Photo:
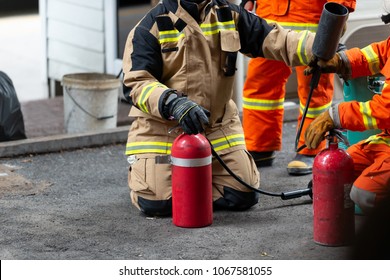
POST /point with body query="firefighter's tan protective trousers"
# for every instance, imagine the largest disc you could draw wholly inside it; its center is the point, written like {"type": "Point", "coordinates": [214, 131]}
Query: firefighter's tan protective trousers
{"type": "Point", "coordinates": [152, 181]}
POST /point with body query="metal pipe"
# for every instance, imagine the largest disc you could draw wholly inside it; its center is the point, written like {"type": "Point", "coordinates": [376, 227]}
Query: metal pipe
{"type": "Point", "coordinates": [330, 28]}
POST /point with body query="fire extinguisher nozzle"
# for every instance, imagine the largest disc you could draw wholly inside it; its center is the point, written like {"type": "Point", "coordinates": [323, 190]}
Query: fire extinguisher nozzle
{"type": "Point", "coordinates": [297, 193]}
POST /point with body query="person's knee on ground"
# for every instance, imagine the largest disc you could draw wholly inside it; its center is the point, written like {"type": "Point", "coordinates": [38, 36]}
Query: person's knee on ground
{"type": "Point", "coordinates": [150, 207]}
{"type": "Point", "coordinates": [228, 193]}
{"type": "Point", "coordinates": [364, 199]}
{"type": "Point", "coordinates": [149, 180]}
{"type": "Point", "coordinates": [236, 200]}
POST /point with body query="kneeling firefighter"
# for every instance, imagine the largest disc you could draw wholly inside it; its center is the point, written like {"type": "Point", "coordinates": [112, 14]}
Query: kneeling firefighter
{"type": "Point", "coordinates": [179, 66]}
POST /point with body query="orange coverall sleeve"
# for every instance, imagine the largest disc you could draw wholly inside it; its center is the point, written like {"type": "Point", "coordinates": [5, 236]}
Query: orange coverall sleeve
{"type": "Point", "coordinates": [375, 113]}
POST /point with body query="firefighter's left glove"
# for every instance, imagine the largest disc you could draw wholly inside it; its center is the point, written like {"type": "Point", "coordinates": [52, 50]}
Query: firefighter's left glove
{"type": "Point", "coordinates": [315, 132]}
{"type": "Point", "coordinates": [191, 116]}
{"type": "Point", "coordinates": [332, 65]}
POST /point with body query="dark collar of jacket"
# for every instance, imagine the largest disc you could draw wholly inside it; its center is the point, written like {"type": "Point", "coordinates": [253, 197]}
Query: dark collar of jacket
{"type": "Point", "coordinates": [189, 6]}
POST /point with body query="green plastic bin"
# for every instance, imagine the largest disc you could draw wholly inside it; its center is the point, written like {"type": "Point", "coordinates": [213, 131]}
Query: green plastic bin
{"type": "Point", "coordinates": [361, 89]}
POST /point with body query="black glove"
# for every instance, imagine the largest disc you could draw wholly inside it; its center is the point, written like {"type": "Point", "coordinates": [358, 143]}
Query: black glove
{"type": "Point", "coordinates": [190, 115]}
{"type": "Point", "coordinates": [333, 65]}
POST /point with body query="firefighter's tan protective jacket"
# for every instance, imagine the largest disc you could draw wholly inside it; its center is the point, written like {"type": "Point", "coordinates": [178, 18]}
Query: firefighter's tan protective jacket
{"type": "Point", "coordinates": [176, 47]}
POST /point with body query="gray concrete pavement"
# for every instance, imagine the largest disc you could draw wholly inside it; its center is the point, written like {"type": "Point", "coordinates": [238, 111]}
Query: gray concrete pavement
{"type": "Point", "coordinates": [75, 205]}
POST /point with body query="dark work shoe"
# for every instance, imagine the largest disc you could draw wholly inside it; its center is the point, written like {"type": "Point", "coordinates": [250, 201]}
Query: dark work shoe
{"type": "Point", "coordinates": [300, 165]}
{"type": "Point", "coordinates": [263, 159]}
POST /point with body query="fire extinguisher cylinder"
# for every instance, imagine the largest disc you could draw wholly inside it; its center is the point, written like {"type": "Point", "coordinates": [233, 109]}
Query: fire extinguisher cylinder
{"type": "Point", "coordinates": [192, 202]}
{"type": "Point", "coordinates": [333, 209]}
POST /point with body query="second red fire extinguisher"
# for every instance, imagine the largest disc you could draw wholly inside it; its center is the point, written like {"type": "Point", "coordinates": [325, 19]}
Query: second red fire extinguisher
{"type": "Point", "coordinates": [192, 202]}
{"type": "Point", "coordinates": [333, 209]}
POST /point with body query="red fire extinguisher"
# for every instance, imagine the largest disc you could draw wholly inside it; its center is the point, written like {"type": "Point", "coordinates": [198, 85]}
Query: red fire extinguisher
{"type": "Point", "coordinates": [192, 203]}
{"type": "Point", "coordinates": [333, 215]}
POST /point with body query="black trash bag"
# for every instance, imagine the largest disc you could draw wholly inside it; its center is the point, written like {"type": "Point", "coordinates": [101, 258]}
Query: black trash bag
{"type": "Point", "coordinates": [11, 117]}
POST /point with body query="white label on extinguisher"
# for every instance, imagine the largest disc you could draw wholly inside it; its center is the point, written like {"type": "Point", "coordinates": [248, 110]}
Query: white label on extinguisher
{"type": "Point", "coordinates": [191, 162]}
{"type": "Point", "coordinates": [348, 203]}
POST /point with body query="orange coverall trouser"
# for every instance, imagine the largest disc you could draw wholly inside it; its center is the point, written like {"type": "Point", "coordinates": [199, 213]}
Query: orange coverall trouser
{"type": "Point", "coordinates": [372, 172]}
{"type": "Point", "coordinates": [264, 93]}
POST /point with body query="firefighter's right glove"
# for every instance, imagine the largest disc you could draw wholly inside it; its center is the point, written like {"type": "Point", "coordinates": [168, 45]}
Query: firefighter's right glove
{"type": "Point", "coordinates": [334, 65]}
{"type": "Point", "coordinates": [315, 132]}
{"type": "Point", "coordinates": [191, 116]}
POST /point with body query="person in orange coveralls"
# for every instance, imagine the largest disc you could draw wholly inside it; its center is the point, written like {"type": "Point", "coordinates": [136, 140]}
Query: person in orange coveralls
{"type": "Point", "coordinates": [264, 88]}
{"type": "Point", "coordinates": [371, 156]}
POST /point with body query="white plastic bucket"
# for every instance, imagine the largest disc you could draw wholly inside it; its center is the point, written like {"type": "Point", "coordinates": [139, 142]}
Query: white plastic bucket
{"type": "Point", "coordinates": [90, 101]}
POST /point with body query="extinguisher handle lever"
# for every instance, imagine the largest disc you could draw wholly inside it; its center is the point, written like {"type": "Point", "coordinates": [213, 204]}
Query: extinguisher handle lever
{"type": "Point", "coordinates": [295, 194]}
{"type": "Point", "coordinates": [339, 135]}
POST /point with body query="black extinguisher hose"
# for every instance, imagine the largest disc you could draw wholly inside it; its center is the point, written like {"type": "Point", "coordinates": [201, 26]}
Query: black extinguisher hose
{"type": "Point", "coordinates": [313, 85]}
{"type": "Point", "coordinates": [283, 195]}
{"type": "Point", "coordinates": [315, 79]}
{"type": "Point", "coordinates": [291, 194]}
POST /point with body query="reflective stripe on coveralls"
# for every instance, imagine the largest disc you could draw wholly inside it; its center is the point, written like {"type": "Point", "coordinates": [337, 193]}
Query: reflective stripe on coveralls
{"type": "Point", "coordinates": [298, 26]}
{"type": "Point", "coordinates": [368, 119]}
{"type": "Point", "coordinates": [262, 104]}
{"type": "Point", "coordinates": [372, 59]}
{"type": "Point", "coordinates": [146, 91]}
{"type": "Point", "coordinates": [314, 112]}
{"type": "Point", "coordinates": [165, 147]}
{"type": "Point", "coordinates": [207, 29]}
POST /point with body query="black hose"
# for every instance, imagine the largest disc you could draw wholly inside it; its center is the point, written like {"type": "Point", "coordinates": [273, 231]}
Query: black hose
{"type": "Point", "coordinates": [313, 85]}
{"type": "Point", "coordinates": [283, 195]}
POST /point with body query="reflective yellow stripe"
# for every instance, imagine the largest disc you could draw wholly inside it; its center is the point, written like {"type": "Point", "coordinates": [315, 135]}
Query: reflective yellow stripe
{"type": "Point", "coordinates": [372, 59]}
{"type": "Point", "coordinates": [207, 29]}
{"type": "Point", "coordinates": [214, 28]}
{"type": "Point", "coordinates": [262, 104]}
{"type": "Point", "coordinates": [301, 50]}
{"type": "Point", "coordinates": [314, 112]}
{"type": "Point", "coordinates": [375, 139]}
{"type": "Point", "coordinates": [384, 86]}
{"type": "Point", "coordinates": [228, 141]}
{"type": "Point", "coordinates": [165, 147]}
{"type": "Point", "coordinates": [368, 119]}
{"type": "Point", "coordinates": [297, 26]}
{"type": "Point", "coordinates": [170, 36]}
{"type": "Point", "coordinates": [146, 91]}
{"type": "Point", "coordinates": [148, 147]}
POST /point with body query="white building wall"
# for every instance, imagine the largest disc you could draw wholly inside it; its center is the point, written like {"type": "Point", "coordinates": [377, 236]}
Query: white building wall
{"type": "Point", "coordinates": [75, 37]}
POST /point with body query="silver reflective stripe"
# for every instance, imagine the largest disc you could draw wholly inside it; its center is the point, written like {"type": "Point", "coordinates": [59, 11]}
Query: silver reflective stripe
{"type": "Point", "coordinates": [195, 162]}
